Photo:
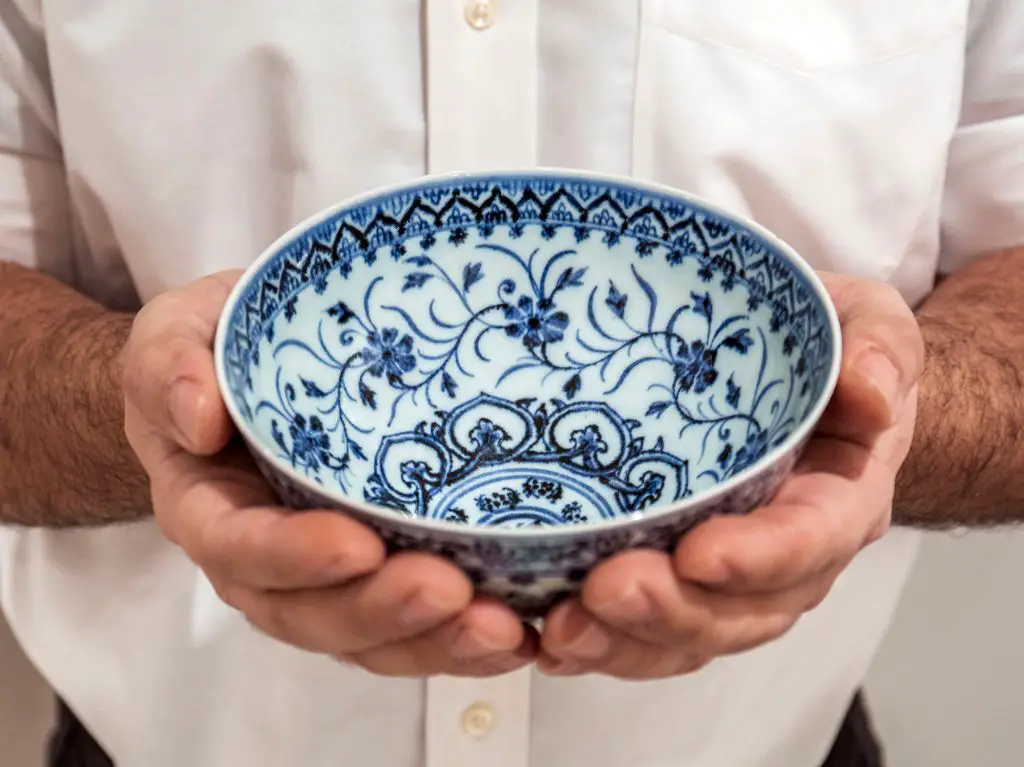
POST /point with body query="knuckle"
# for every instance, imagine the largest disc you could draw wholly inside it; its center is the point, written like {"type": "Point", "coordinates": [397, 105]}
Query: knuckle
{"type": "Point", "coordinates": [216, 288]}
{"type": "Point", "coordinates": [399, 660]}
{"type": "Point", "coordinates": [817, 597]}
{"type": "Point", "coordinates": [145, 325]}
{"type": "Point", "coordinates": [831, 541]}
{"type": "Point", "coordinates": [134, 431]}
{"type": "Point", "coordinates": [691, 632]}
{"type": "Point", "coordinates": [133, 367]}
{"type": "Point", "coordinates": [691, 629]}
{"type": "Point", "coordinates": [377, 668]}
{"type": "Point", "coordinates": [663, 664]}
{"type": "Point", "coordinates": [245, 541]}
{"type": "Point", "coordinates": [204, 541]}
{"type": "Point", "coordinates": [345, 658]}
{"type": "Point", "coordinates": [179, 350]}
{"type": "Point", "coordinates": [674, 663]}
{"type": "Point", "coordinates": [815, 534]}
{"type": "Point", "coordinates": [879, 530]}
{"type": "Point", "coordinates": [693, 663]}
{"type": "Point", "coordinates": [149, 369]}
{"type": "Point", "coordinates": [763, 631]}
{"type": "Point", "coordinates": [270, 616]}
{"type": "Point", "coordinates": [227, 592]}
{"type": "Point", "coordinates": [710, 640]}
{"type": "Point", "coordinates": [164, 523]}
{"type": "Point", "coordinates": [782, 626]}
{"type": "Point", "coordinates": [639, 663]}
{"type": "Point", "coordinates": [819, 591]}
{"type": "Point", "coordinates": [891, 295]}
{"type": "Point", "coordinates": [496, 665]}
{"type": "Point", "coordinates": [164, 489]}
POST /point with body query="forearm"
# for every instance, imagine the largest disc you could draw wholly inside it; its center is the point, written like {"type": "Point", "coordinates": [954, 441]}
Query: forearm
{"type": "Point", "coordinates": [966, 466]}
{"type": "Point", "coordinates": [64, 459]}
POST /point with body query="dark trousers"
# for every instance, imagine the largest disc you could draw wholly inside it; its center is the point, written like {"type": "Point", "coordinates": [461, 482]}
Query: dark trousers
{"type": "Point", "coordinates": [855, 746]}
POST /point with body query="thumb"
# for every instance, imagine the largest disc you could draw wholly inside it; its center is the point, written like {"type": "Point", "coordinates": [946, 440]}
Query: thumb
{"type": "Point", "coordinates": [883, 357]}
{"type": "Point", "coordinates": [168, 365]}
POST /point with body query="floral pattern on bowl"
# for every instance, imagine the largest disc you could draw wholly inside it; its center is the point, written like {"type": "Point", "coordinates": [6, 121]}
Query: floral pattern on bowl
{"type": "Point", "coordinates": [527, 372]}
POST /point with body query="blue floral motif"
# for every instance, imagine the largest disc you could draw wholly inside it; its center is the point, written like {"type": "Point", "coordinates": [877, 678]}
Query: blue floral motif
{"type": "Point", "coordinates": [695, 366]}
{"type": "Point", "coordinates": [385, 354]}
{"type": "Point", "coordinates": [427, 355]}
{"type": "Point", "coordinates": [527, 351]}
{"type": "Point", "coordinates": [310, 445]}
{"type": "Point", "coordinates": [487, 438]}
{"type": "Point", "coordinates": [536, 324]}
{"type": "Point", "coordinates": [755, 447]}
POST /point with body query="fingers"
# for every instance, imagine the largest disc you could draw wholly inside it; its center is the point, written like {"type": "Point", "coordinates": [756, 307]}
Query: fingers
{"type": "Point", "coordinates": [414, 617]}
{"type": "Point", "coordinates": [883, 357]}
{"type": "Point", "coordinates": [408, 595]}
{"type": "Point", "coordinates": [317, 580]}
{"type": "Point", "coordinates": [641, 594]}
{"type": "Point", "coordinates": [637, 620]}
{"type": "Point", "coordinates": [834, 504]}
{"type": "Point", "coordinates": [224, 515]}
{"type": "Point", "coordinates": [168, 365]}
{"type": "Point", "coordinates": [737, 582]}
{"type": "Point", "coordinates": [839, 497]}
{"type": "Point", "coordinates": [486, 640]}
{"type": "Point", "coordinates": [268, 548]}
{"type": "Point", "coordinates": [575, 642]}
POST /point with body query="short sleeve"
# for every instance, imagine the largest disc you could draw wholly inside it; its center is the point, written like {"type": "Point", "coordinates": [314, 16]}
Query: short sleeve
{"type": "Point", "coordinates": [34, 217]}
{"type": "Point", "coordinates": [983, 209]}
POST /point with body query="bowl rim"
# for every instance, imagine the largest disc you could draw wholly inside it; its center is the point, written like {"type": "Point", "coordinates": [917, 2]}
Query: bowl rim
{"type": "Point", "coordinates": [550, 173]}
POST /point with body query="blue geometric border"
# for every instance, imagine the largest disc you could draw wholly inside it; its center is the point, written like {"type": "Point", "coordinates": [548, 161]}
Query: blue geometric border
{"type": "Point", "coordinates": [660, 225]}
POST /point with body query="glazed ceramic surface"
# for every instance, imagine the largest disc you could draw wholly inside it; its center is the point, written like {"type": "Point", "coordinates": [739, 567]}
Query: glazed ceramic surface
{"type": "Point", "coordinates": [527, 372]}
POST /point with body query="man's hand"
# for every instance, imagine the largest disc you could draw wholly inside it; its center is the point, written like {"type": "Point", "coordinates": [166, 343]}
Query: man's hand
{"type": "Point", "coordinates": [317, 580]}
{"type": "Point", "coordinates": [735, 583]}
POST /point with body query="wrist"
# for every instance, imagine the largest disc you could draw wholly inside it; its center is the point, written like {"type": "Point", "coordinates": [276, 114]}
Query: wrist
{"type": "Point", "coordinates": [62, 445]}
{"type": "Point", "coordinates": [100, 340]}
{"type": "Point", "coordinates": [965, 464]}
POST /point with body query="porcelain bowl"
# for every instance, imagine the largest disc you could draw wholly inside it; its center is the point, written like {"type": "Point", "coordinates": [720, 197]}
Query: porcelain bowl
{"type": "Point", "coordinates": [527, 372]}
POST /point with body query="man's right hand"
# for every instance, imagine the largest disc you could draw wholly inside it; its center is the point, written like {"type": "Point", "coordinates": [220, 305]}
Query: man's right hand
{"type": "Point", "coordinates": [317, 580]}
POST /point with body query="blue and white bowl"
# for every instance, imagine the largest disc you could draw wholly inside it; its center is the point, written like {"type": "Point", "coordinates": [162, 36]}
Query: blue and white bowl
{"type": "Point", "coordinates": [527, 372]}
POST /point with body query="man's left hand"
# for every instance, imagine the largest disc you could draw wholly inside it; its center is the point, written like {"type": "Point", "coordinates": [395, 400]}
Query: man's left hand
{"type": "Point", "coordinates": [734, 583]}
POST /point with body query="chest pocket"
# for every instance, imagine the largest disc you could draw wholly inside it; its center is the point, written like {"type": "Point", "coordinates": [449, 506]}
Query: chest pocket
{"type": "Point", "coordinates": [827, 121]}
{"type": "Point", "coordinates": [811, 36]}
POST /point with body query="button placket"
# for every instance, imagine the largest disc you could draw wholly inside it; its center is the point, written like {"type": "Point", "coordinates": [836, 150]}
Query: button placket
{"type": "Point", "coordinates": [482, 84]}
{"type": "Point", "coordinates": [471, 722]}
{"type": "Point", "coordinates": [481, 104]}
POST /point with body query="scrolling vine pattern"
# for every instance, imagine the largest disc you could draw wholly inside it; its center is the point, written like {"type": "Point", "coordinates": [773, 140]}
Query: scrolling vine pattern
{"type": "Point", "coordinates": [530, 298]}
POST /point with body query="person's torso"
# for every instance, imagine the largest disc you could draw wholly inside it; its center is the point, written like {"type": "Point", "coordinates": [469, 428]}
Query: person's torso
{"type": "Point", "coordinates": [192, 139]}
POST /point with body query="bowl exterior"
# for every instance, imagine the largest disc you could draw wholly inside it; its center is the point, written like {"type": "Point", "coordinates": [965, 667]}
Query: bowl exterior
{"type": "Point", "coordinates": [532, 573]}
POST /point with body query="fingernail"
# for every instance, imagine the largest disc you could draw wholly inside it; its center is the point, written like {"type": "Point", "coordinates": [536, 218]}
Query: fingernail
{"type": "Point", "coordinates": [422, 610]}
{"type": "Point", "coordinates": [183, 403]}
{"type": "Point", "coordinates": [588, 640]}
{"type": "Point", "coordinates": [472, 644]}
{"type": "Point", "coordinates": [879, 371]}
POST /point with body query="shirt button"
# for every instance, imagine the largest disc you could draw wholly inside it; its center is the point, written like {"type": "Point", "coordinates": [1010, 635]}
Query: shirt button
{"type": "Point", "coordinates": [478, 719]}
{"type": "Point", "coordinates": [480, 13]}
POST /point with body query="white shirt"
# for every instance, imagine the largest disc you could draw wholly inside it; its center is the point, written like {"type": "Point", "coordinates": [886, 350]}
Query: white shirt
{"type": "Point", "coordinates": [145, 143]}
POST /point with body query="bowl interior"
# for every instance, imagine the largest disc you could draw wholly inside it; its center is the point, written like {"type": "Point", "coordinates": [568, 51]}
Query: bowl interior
{"type": "Point", "coordinates": [524, 350]}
